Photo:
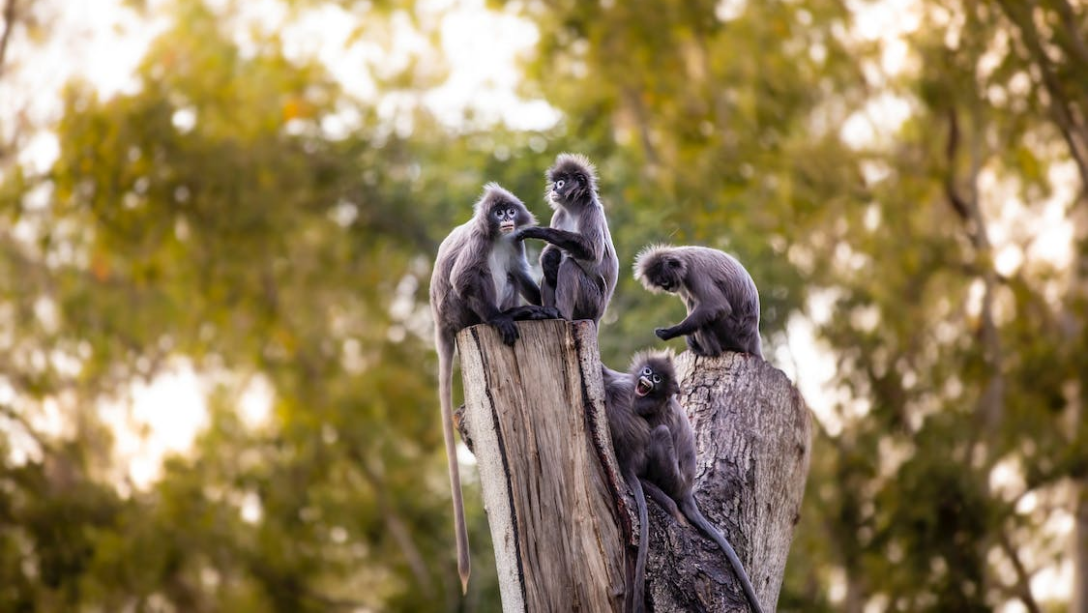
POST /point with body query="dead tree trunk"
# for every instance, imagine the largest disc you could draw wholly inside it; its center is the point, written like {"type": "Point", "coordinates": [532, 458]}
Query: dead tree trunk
{"type": "Point", "coordinates": [561, 518]}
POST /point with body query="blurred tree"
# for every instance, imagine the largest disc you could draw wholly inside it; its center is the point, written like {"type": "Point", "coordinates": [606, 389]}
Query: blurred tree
{"type": "Point", "coordinates": [242, 215]}
{"type": "Point", "coordinates": [773, 131]}
{"type": "Point", "coordinates": [214, 219]}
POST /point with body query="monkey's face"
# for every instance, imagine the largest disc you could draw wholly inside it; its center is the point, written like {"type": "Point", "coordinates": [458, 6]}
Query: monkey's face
{"type": "Point", "coordinates": [655, 379]}
{"type": "Point", "coordinates": [568, 186]}
{"type": "Point", "coordinates": [505, 217]}
{"type": "Point", "coordinates": [664, 273]}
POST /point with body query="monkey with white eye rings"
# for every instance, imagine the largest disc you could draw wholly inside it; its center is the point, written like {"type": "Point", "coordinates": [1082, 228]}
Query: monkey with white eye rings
{"type": "Point", "coordinates": [721, 297]}
{"type": "Point", "coordinates": [478, 275]}
{"type": "Point", "coordinates": [579, 261]}
{"type": "Point", "coordinates": [630, 441]}
{"type": "Point", "coordinates": [654, 441]}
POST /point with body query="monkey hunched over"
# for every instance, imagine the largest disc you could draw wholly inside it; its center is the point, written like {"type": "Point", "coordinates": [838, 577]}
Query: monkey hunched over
{"type": "Point", "coordinates": [721, 297]}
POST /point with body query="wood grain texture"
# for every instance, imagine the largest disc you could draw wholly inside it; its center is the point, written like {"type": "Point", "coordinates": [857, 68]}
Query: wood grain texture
{"type": "Point", "coordinates": [536, 416]}
{"type": "Point", "coordinates": [753, 440]}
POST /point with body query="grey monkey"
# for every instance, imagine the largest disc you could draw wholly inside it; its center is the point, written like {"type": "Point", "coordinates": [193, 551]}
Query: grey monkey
{"type": "Point", "coordinates": [721, 297]}
{"type": "Point", "coordinates": [669, 476]}
{"type": "Point", "coordinates": [579, 261]}
{"type": "Point", "coordinates": [478, 274]}
{"type": "Point", "coordinates": [630, 441]}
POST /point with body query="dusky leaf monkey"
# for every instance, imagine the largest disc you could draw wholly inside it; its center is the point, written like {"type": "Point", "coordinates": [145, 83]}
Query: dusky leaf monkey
{"type": "Point", "coordinates": [655, 444]}
{"type": "Point", "coordinates": [579, 261]}
{"type": "Point", "coordinates": [630, 441]}
{"type": "Point", "coordinates": [721, 297]}
{"type": "Point", "coordinates": [479, 273]}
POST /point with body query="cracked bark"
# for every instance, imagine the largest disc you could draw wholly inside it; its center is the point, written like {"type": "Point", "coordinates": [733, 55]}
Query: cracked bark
{"type": "Point", "coordinates": [562, 522]}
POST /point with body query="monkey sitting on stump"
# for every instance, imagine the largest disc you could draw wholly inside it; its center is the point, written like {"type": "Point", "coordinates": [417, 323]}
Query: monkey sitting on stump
{"type": "Point", "coordinates": [579, 261]}
{"type": "Point", "coordinates": [722, 299]}
{"type": "Point", "coordinates": [655, 449]}
{"type": "Point", "coordinates": [478, 274]}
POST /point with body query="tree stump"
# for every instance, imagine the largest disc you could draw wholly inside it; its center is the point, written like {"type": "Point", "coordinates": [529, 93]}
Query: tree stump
{"type": "Point", "coordinates": [561, 518]}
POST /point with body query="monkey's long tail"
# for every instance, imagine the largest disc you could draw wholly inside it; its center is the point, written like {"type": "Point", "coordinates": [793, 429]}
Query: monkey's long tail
{"type": "Point", "coordinates": [691, 511]}
{"type": "Point", "coordinates": [445, 393]}
{"type": "Point", "coordinates": [637, 590]}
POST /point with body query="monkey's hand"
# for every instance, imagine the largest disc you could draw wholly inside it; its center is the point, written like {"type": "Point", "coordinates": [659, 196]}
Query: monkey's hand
{"type": "Point", "coordinates": [665, 333]}
{"type": "Point", "coordinates": [507, 329]}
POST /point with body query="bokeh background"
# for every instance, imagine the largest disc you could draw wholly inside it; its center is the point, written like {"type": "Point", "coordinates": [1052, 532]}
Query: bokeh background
{"type": "Point", "coordinates": [217, 220]}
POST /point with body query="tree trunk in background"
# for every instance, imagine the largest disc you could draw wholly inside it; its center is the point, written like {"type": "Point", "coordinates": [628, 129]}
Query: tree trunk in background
{"type": "Point", "coordinates": [1080, 549]}
{"type": "Point", "coordinates": [560, 515]}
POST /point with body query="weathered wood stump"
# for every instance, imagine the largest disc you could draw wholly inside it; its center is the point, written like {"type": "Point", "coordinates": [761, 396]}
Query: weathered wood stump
{"type": "Point", "coordinates": [561, 518]}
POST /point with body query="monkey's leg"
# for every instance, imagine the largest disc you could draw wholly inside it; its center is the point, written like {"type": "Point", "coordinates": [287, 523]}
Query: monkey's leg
{"type": "Point", "coordinates": [664, 468]}
{"type": "Point", "coordinates": [693, 345]}
{"type": "Point", "coordinates": [550, 259]}
{"type": "Point", "coordinates": [547, 294]}
{"type": "Point", "coordinates": [568, 289]}
{"type": "Point", "coordinates": [708, 342]}
{"type": "Point", "coordinates": [662, 499]}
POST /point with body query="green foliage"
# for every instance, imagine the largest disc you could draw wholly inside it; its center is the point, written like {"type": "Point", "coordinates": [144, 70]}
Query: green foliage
{"type": "Point", "coordinates": [217, 219]}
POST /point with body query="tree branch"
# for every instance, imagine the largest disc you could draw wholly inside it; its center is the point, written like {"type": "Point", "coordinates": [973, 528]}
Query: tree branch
{"type": "Point", "coordinates": [1023, 577]}
{"type": "Point", "coordinates": [397, 529]}
{"type": "Point", "coordinates": [1073, 133]}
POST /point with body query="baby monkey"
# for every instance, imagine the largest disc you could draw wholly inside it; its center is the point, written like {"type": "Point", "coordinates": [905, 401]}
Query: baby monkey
{"type": "Point", "coordinates": [664, 455]}
{"type": "Point", "coordinates": [722, 299]}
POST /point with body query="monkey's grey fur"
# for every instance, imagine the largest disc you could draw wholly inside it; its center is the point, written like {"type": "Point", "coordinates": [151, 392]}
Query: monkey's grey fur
{"type": "Point", "coordinates": [722, 299]}
{"type": "Point", "coordinates": [655, 448]}
{"type": "Point", "coordinates": [579, 262]}
{"type": "Point", "coordinates": [630, 441]}
{"type": "Point", "coordinates": [478, 273]}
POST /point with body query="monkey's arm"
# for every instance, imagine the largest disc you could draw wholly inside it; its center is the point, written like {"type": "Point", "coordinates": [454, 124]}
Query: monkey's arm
{"type": "Point", "coordinates": [712, 306]}
{"type": "Point", "coordinates": [526, 286]}
{"type": "Point", "coordinates": [580, 247]}
{"type": "Point", "coordinates": [475, 288]}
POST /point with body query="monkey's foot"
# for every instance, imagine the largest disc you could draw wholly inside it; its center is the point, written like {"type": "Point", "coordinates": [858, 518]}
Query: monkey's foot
{"type": "Point", "coordinates": [532, 312]}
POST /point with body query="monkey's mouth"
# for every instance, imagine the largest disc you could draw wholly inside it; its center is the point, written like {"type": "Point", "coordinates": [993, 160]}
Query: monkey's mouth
{"type": "Point", "coordinates": [506, 227]}
{"type": "Point", "coordinates": [644, 387]}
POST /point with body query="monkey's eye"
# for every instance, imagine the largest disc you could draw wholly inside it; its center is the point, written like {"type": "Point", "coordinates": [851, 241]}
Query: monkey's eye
{"type": "Point", "coordinates": [559, 184]}
{"type": "Point", "coordinates": [657, 379]}
{"type": "Point", "coordinates": [646, 372]}
{"type": "Point", "coordinates": [509, 212]}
